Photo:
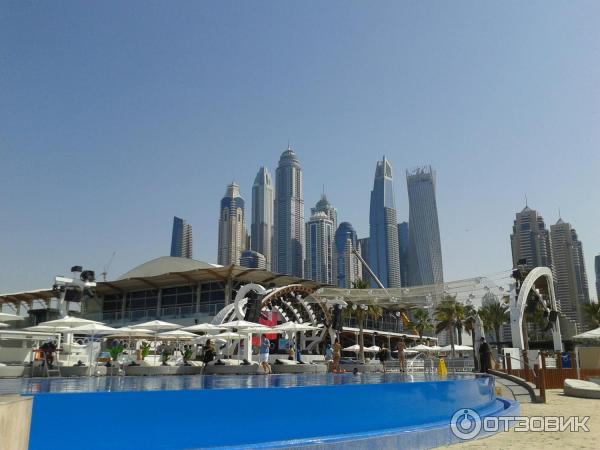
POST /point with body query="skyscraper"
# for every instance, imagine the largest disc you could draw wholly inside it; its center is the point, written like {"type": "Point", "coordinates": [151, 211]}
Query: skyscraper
{"type": "Point", "coordinates": [324, 206]}
{"type": "Point", "coordinates": [597, 267]}
{"type": "Point", "coordinates": [181, 238]}
{"type": "Point", "coordinates": [424, 243]}
{"type": "Point", "coordinates": [319, 249]}
{"type": "Point", "coordinates": [288, 234]}
{"type": "Point", "coordinates": [530, 240]}
{"type": "Point", "coordinates": [403, 248]}
{"type": "Point", "coordinates": [383, 251]}
{"type": "Point", "coordinates": [232, 227]}
{"type": "Point", "coordinates": [253, 260]}
{"type": "Point", "coordinates": [261, 230]}
{"type": "Point", "coordinates": [348, 267]}
{"type": "Point", "coordinates": [569, 271]}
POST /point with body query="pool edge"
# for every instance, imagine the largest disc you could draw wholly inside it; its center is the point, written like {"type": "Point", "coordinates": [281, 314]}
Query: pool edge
{"type": "Point", "coordinates": [422, 437]}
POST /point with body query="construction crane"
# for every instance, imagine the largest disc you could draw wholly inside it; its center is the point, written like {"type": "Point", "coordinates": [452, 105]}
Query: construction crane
{"type": "Point", "coordinates": [107, 266]}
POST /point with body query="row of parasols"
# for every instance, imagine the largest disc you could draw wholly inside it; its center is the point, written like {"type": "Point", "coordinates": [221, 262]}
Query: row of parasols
{"type": "Point", "coordinates": [161, 331]}
{"type": "Point", "coordinates": [414, 350]}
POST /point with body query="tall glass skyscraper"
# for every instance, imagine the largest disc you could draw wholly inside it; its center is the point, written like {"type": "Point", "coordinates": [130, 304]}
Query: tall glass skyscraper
{"type": "Point", "coordinates": [261, 230]}
{"type": "Point", "coordinates": [384, 259]}
{"type": "Point", "coordinates": [530, 240]}
{"type": "Point", "coordinates": [348, 267]}
{"type": "Point", "coordinates": [403, 249]}
{"type": "Point", "coordinates": [324, 206]}
{"type": "Point", "coordinates": [424, 243]}
{"type": "Point", "coordinates": [232, 227]}
{"type": "Point", "coordinates": [181, 238]}
{"type": "Point", "coordinates": [319, 249]}
{"type": "Point", "coordinates": [570, 281]}
{"type": "Point", "coordinates": [288, 234]}
{"type": "Point", "coordinates": [253, 260]}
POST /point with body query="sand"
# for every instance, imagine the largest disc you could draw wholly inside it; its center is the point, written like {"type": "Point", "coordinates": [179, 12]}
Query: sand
{"type": "Point", "coordinates": [557, 405]}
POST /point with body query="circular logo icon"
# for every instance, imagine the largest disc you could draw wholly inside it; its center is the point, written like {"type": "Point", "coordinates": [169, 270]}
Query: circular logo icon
{"type": "Point", "coordinates": [465, 424]}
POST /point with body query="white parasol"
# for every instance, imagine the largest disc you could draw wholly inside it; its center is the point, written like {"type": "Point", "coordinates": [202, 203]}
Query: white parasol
{"type": "Point", "coordinates": [156, 326]}
{"type": "Point", "coordinates": [93, 330]}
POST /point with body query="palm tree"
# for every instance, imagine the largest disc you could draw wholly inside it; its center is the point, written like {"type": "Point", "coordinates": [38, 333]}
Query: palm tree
{"type": "Point", "coordinates": [592, 314]}
{"type": "Point", "coordinates": [421, 322]}
{"type": "Point", "coordinates": [470, 324]}
{"type": "Point", "coordinates": [448, 312]}
{"type": "Point", "coordinates": [460, 324]}
{"type": "Point", "coordinates": [494, 315]}
{"type": "Point", "coordinates": [361, 312]}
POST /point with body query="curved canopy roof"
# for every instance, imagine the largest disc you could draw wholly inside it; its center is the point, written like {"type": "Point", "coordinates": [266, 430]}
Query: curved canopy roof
{"type": "Point", "coordinates": [166, 264]}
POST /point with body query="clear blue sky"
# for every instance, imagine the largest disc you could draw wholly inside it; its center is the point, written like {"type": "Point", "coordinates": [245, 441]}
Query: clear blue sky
{"type": "Point", "coordinates": [115, 116]}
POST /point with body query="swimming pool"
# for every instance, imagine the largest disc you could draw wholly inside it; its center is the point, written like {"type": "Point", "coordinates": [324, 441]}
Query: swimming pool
{"type": "Point", "coordinates": [309, 411]}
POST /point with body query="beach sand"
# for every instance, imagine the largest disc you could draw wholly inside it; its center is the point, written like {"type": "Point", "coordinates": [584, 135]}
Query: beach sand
{"type": "Point", "coordinates": [557, 405]}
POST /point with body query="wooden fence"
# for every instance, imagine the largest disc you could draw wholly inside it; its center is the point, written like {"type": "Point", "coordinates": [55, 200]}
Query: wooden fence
{"type": "Point", "coordinates": [550, 378]}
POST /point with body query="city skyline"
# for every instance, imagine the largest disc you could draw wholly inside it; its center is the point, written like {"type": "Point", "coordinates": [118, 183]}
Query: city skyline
{"type": "Point", "coordinates": [493, 105]}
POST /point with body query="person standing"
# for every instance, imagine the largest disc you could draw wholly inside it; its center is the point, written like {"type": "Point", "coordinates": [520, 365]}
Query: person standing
{"type": "Point", "coordinates": [384, 355]}
{"type": "Point", "coordinates": [337, 355]}
{"type": "Point", "coordinates": [401, 356]}
{"type": "Point", "coordinates": [484, 355]}
{"type": "Point", "coordinates": [209, 352]}
{"type": "Point", "coordinates": [263, 357]}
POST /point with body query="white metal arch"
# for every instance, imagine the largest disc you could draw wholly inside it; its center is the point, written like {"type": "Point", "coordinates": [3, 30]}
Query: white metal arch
{"type": "Point", "coordinates": [517, 307]}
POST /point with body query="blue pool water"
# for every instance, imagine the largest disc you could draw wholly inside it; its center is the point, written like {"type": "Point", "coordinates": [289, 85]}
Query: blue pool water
{"type": "Point", "coordinates": [311, 411]}
{"type": "Point", "coordinates": [193, 382]}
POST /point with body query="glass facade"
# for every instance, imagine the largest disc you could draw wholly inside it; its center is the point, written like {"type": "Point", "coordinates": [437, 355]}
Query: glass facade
{"type": "Point", "coordinates": [403, 249]}
{"type": "Point", "coordinates": [384, 259]}
{"type": "Point", "coordinates": [181, 238]}
{"type": "Point", "coordinates": [176, 301]}
{"type": "Point", "coordinates": [348, 267]}
{"type": "Point", "coordinates": [288, 232]}
{"type": "Point", "coordinates": [424, 246]}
